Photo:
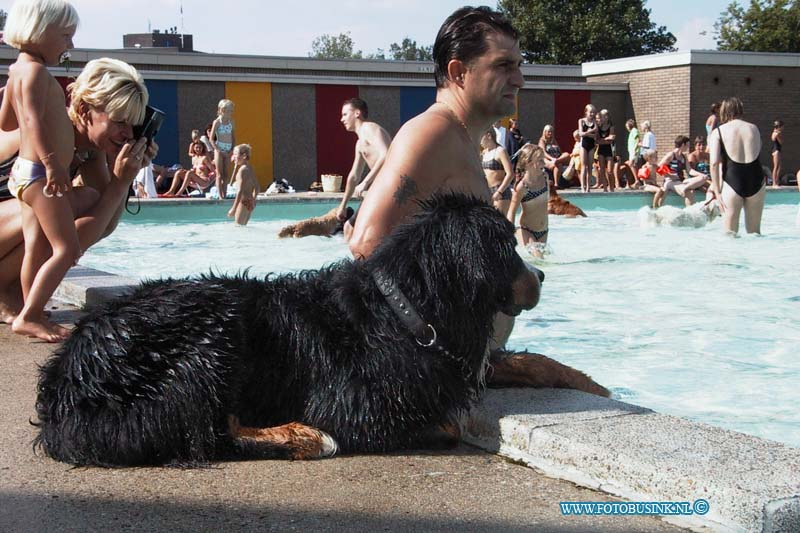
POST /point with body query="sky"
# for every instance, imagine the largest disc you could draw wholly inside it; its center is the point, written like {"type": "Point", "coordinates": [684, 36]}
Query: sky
{"type": "Point", "coordinates": [287, 28]}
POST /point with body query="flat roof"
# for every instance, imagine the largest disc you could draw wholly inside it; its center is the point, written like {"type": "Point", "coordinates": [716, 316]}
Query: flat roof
{"type": "Point", "coordinates": [692, 57]}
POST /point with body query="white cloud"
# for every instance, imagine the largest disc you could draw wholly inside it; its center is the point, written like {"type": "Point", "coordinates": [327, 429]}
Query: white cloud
{"type": "Point", "coordinates": [696, 34]}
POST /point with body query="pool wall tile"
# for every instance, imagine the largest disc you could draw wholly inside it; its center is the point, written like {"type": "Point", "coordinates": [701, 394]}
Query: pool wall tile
{"type": "Point", "coordinates": [335, 145]}
{"type": "Point", "coordinates": [197, 107]}
{"type": "Point", "coordinates": [164, 96]}
{"type": "Point", "coordinates": [253, 124]}
{"type": "Point", "coordinates": [294, 122]}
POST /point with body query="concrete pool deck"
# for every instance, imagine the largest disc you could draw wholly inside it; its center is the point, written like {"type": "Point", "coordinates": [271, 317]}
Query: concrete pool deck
{"type": "Point", "coordinates": [627, 451]}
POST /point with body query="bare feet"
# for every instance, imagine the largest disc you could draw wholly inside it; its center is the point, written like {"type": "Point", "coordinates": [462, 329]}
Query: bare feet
{"type": "Point", "coordinates": [42, 329]}
{"type": "Point", "coordinates": [10, 305]}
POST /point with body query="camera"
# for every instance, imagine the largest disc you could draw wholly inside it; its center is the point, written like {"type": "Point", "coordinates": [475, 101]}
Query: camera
{"type": "Point", "coordinates": [153, 118]}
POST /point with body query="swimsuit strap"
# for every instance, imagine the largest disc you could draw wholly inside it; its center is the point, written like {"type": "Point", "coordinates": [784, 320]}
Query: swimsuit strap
{"type": "Point", "coordinates": [530, 195]}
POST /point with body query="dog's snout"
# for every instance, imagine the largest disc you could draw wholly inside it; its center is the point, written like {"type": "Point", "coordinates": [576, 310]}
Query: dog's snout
{"type": "Point", "coordinates": [539, 273]}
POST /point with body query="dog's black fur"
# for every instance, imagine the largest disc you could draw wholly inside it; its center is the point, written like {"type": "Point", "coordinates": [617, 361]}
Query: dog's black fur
{"type": "Point", "coordinates": [152, 377]}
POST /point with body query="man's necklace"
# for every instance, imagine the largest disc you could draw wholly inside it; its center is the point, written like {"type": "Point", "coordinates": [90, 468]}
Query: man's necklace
{"type": "Point", "coordinates": [452, 111]}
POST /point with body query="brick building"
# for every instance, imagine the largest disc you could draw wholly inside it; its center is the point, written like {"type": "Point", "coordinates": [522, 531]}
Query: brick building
{"type": "Point", "coordinates": [674, 91]}
{"type": "Point", "coordinates": [288, 108]}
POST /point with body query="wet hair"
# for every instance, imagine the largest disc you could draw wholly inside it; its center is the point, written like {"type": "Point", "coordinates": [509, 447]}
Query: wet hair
{"type": "Point", "coordinates": [647, 154]}
{"type": "Point", "coordinates": [680, 140]}
{"type": "Point", "coordinates": [111, 86]}
{"type": "Point", "coordinates": [28, 20]}
{"type": "Point", "coordinates": [359, 105]}
{"type": "Point", "coordinates": [777, 124]}
{"type": "Point", "coordinates": [223, 104]}
{"type": "Point", "coordinates": [527, 155]}
{"type": "Point", "coordinates": [715, 108]}
{"type": "Point", "coordinates": [630, 123]}
{"type": "Point", "coordinates": [463, 36]}
{"type": "Point", "coordinates": [244, 149]}
{"type": "Point", "coordinates": [201, 145]}
{"type": "Point", "coordinates": [699, 140]}
{"type": "Point", "coordinates": [730, 109]}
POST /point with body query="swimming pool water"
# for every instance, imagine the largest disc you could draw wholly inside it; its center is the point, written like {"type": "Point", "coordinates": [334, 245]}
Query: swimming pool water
{"type": "Point", "coordinates": [686, 321]}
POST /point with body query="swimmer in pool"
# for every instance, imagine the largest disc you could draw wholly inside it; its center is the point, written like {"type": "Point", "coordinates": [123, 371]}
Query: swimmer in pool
{"type": "Point", "coordinates": [532, 194]}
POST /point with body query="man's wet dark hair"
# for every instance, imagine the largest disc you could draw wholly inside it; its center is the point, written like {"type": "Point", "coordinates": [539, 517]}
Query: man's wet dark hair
{"type": "Point", "coordinates": [463, 37]}
{"type": "Point", "coordinates": [360, 105]}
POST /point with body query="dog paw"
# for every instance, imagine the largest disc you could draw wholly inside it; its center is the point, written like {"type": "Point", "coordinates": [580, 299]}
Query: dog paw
{"type": "Point", "coordinates": [329, 447]}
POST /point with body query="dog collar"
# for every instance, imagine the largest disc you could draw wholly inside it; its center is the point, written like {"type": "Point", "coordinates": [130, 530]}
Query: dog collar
{"type": "Point", "coordinates": [424, 333]}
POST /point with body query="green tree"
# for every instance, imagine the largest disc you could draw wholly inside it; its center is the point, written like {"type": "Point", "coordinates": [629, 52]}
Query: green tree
{"type": "Point", "coordinates": [334, 47]}
{"type": "Point", "coordinates": [766, 26]}
{"type": "Point", "coordinates": [570, 33]}
{"type": "Point", "coordinates": [408, 50]}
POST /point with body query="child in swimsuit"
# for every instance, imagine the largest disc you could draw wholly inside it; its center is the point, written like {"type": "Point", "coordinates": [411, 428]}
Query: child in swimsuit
{"type": "Point", "coordinates": [532, 194]}
{"type": "Point", "coordinates": [34, 102]}
{"type": "Point", "coordinates": [648, 175]}
{"type": "Point", "coordinates": [223, 139]}
{"type": "Point", "coordinates": [605, 151]}
{"type": "Point", "coordinates": [246, 185]}
{"type": "Point", "coordinates": [587, 129]}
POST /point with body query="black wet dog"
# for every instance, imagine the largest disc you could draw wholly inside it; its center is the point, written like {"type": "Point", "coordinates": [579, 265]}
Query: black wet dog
{"type": "Point", "coordinates": [193, 370]}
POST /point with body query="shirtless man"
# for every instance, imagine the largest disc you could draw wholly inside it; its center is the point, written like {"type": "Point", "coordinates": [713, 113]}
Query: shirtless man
{"type": "Point", "coordinates": [477, 60]}
{"type": "Point", "coordinates": [373, 143]}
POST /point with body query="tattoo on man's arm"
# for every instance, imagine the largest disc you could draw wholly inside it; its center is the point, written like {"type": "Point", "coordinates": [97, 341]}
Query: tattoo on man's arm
{"type": "Point", "coordinates": [406, 190]}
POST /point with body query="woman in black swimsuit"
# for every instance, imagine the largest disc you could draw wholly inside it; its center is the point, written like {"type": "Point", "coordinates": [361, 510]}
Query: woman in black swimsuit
{"type": "Point", "coordinates": [587, 129]}
{"type": "Point", "coordinates": [777, 145]}
{"type": "Point", "coordinates": [739, 185]}
{"type": "Point", "coordinates": [605, 151]}
{"type": "Point", "coordinates": [498, 170]}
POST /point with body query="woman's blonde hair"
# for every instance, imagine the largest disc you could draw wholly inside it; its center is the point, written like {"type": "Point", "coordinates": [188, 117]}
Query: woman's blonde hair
{"type": "Point", "coordinates": [223, 104]}
{"type": "Point", "coordinates": [28, 19]}
{"type": "Point", "coordinates": [646, 125]}
{"type": "Point", "coordinates": [111, 86]}
{"type": "Point", "coordinates": [730, 109]}
{"type": "Point", "coordinates": [527, 155]}
{"type": "Point", "coordinates": [244, 149]}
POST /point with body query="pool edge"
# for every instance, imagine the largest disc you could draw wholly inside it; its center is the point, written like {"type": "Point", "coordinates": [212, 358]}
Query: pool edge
{"type": "Point", "coordinates": [751, 484]}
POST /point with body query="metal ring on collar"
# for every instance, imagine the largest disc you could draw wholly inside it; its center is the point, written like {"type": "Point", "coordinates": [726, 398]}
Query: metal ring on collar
{"type": "Point", "coordinates": [431, 342]}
